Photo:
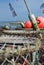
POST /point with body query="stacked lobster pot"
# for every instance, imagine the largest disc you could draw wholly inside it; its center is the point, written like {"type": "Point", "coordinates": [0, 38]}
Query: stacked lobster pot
{"type": "Point", "coordinates": [20, 51]}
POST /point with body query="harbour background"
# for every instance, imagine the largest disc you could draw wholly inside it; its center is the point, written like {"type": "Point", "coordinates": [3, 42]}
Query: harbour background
{"type": "Point", "coordinates": [19, 6]}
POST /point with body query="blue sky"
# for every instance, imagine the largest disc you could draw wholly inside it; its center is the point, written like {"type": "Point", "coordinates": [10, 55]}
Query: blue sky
{"type": "Point", "coordinates": [19, 6]}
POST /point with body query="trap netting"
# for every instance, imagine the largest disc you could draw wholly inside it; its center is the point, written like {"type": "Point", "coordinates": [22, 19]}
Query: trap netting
{"type": "Point", "coordinates": [22, 51]}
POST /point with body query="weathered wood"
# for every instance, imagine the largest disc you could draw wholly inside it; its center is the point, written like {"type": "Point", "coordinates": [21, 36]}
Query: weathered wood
{"type": "Point", "coordinates": [23, 31]}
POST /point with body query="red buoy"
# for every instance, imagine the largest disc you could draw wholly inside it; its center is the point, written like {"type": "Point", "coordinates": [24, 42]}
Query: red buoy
{"type": "Point", "coordinates": [27, 24]}
{"type": "Point", "coordinates": [40, 21]}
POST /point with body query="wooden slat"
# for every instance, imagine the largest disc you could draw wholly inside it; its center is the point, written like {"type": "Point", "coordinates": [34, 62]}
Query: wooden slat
{"type": "Point", "coordinates": [26, 31]}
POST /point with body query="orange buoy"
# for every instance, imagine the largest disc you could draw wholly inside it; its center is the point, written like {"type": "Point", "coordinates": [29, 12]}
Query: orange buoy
{"type": "Point", "coordinates": [27, 24]}
{"type": "Point", "coordinates": [40, 21]}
